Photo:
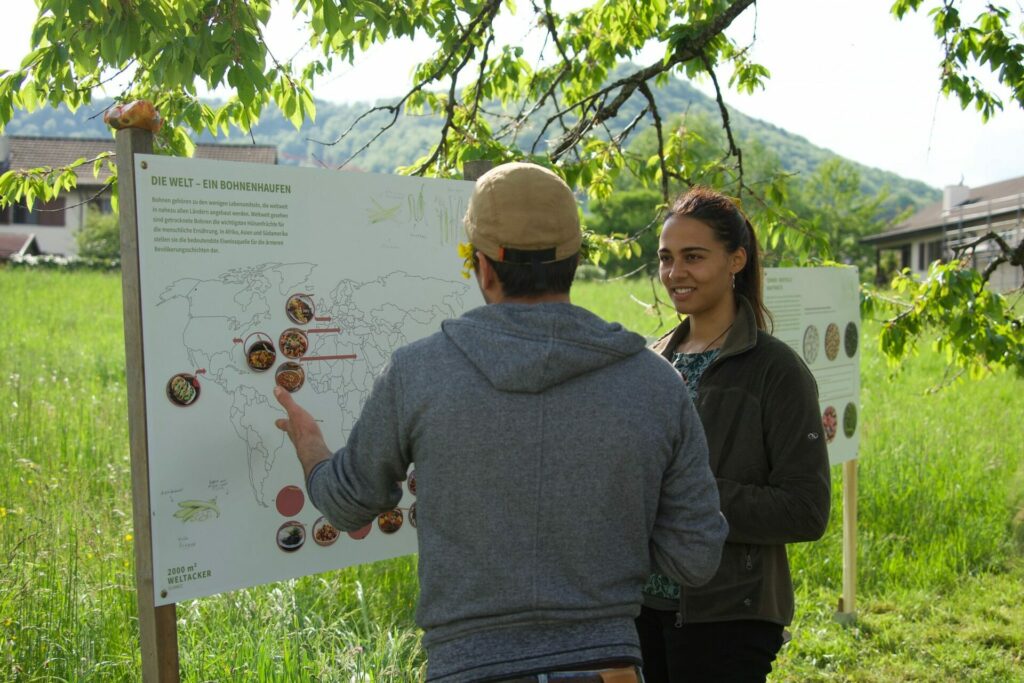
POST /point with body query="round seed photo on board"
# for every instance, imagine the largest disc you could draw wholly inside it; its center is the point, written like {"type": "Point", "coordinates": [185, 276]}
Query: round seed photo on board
{"type": "Point", "coordinates": [259, 352]}
{"type": "Point", "coordinates": [324, 532]}
{"type": "Point", "coordinates": [391, 521]}
{"type": "Point", "coordinates": [830, 421]}
{"type": "Point", "coordinates": [291, 536]}
{"type": "Point", "coordinates": [299, 308]}
{"type": "Point", "coordinates": [850, 339]}
{"type": "Point", "coordinates": [832, 341]}
{"type": "Point", "coordinates": [811, 339]}
{"type": "Point", "coordinates": [183, 389]}
{"type": "Point", "coordinates": [849, 420]}
{"type": "Point", "coordinates": [290, 376]}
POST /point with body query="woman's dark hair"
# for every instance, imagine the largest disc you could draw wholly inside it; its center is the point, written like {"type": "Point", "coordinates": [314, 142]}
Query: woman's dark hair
{"type": "Point", "coordinates": [733, 230]}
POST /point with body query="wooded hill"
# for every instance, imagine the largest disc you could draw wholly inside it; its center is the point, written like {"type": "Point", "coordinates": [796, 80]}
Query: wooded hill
{"type": "Point", "coordinates": [412, 136]}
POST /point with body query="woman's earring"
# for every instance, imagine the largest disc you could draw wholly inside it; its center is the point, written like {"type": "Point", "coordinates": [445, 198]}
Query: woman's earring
{"type": "Point", "coordinates": [733, 280]}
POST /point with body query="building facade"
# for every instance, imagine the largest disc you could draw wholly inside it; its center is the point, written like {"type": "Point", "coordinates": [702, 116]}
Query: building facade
{"type": "Point", "coordinates": [55, 223]}
{"type": "Point", "coordinates": [945, 229]}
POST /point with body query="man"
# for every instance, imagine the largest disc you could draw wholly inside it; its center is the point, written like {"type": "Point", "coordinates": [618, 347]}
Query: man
{"type": "Point", "coordinates": [556, 458]}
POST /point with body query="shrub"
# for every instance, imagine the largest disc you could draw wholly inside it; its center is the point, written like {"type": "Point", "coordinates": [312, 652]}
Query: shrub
{"type": "Point", "coordinates": [57, 262]}
{"type": "Point", "coordinates": [100, 237]}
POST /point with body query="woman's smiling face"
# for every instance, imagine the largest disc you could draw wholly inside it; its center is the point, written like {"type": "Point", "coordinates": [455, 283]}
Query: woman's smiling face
{"type": "Point", "coordinates": [695, 267]}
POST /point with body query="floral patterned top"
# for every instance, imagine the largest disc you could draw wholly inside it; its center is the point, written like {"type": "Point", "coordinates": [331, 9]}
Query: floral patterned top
{"type": "Point", "coordinates": [660, 591]}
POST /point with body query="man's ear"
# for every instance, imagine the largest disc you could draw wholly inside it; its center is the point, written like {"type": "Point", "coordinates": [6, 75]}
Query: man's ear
{"type": "Point", "coordinates": [485, 274]}
{"type": "Point", "coordinates": [487, 280]}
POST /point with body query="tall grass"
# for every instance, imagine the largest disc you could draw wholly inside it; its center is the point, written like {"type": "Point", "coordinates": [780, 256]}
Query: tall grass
{"type": "Point", "coordinates": [638, 303]}
{"type": "Point", "coordinates": [67, 602]}
{"type": "Point", "coordinates": [65, 510]}
{"type": "Point", "coordinates": [941, 478]}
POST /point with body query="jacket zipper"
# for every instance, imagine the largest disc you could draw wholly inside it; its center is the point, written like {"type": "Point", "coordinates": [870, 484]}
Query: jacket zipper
{"type": "Point", "coordinates": [682, 607]}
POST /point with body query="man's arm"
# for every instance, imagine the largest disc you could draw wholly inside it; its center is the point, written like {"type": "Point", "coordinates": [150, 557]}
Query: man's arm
{"type": "Point", "coordinates": [363, 479]}
{"type": "Point", "coordinates": [689, 530]}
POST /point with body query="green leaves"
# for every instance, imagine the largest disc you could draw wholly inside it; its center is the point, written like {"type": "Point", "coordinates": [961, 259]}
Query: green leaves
{"type": "Point", "coordinates": [977, 329]}
{"type": "Point", "coordinates": [294, 99]}
{"type": "Point", "coordinates": [991, 43]}
{"type": "Point", "coordinates": [500, 104]}
{"type": "Point", "coordinates": [749, 77]}
{"type": "Point", "coordinates": [43, 183]}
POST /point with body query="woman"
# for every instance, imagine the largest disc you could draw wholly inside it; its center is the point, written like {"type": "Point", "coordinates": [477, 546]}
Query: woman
{"type": "Point", "coordinates": [759, 406]}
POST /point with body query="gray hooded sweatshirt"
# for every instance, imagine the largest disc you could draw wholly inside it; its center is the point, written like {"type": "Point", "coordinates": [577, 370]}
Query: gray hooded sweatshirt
{"type": "Point", "coordinates": [558, 461]}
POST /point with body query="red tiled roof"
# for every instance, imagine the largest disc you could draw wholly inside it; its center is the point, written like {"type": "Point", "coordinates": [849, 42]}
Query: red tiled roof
{"type": "Point", "coordinates": [34, 152]}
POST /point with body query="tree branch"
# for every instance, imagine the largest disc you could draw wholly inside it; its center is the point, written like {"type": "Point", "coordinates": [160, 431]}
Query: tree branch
{"type": "Point", "coordinates": [483, 19]}
{"type": "Point", "coordinates": [476, 90]}
{"type": "Point", "coordinates": [1007, 254]}
{"type": "Point", "coordinates": [109, 184]}
{"type": "Point", "coordinates": [987, 237]}
{"type": "Point", "coordinates": [449, 114]}
{"type": "Point", "coordinates": [992, 266]}
{"type": "Point", "coordinates": [549, 22]}
{"type": "Point", "coordinates": [653, 106]}
{"type": "Point", "coordinates": [628, 85]}
{"type": "Point", "coordinates": [733, 149]}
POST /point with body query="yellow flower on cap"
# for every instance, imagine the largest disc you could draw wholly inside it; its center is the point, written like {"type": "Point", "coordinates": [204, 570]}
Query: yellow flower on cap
{"type": "Point", "coordinates": [466, 252]}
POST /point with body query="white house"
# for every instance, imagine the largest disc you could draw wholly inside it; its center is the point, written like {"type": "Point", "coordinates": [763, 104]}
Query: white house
{"type": "Point", "coordinates": [54, 223]}
{"type": "Point", "coordinates": [962, 216]}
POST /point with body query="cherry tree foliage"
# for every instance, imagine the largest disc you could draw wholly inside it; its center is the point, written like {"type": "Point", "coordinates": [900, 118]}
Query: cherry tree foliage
{"type": "Point", "coordinates": [563, 108]}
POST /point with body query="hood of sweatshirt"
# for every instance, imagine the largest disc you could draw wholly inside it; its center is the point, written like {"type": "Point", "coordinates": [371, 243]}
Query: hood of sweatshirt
{"type": "Point", "coordinates": [553, 342]}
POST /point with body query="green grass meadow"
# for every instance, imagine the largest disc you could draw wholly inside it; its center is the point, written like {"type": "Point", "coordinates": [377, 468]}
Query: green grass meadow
{"type": "Point", "coordinates": [941, 526]}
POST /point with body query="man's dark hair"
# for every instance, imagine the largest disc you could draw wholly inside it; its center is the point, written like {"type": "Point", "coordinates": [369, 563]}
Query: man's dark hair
{"type": "Point", "coordinates": [535, 279]}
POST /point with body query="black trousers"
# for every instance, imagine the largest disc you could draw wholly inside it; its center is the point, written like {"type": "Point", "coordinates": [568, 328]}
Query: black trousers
{"type": "Point", "coordinates": [718, 652]}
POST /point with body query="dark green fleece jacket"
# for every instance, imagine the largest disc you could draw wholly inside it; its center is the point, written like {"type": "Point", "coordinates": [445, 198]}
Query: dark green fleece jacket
{"type": "Point", "coordinates": [758, 403]}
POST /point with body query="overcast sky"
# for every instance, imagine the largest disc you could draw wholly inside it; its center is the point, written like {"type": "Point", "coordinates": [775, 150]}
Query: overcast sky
{"type": "Point", "coordinates": [845, 75]}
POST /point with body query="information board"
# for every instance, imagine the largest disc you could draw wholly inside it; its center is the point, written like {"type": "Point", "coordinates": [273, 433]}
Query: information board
{"type": "Point", "coordinates": [255, 275]}
{"type": "Point", "coordinates": [816, 311]}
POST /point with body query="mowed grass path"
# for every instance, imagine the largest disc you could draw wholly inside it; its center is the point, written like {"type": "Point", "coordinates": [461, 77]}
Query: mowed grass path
{"type": "Point", "coordinates": [941, 514]}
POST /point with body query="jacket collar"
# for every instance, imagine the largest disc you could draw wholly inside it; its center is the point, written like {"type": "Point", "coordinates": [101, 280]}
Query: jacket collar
{"type": "Point", "coordinates": [741, 338]}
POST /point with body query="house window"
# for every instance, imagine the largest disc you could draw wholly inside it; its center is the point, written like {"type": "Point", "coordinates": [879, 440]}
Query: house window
{"type": "Point", "coordinates": [5, 215]}
{"type": "Point", "coordinates": [49, 213]}
{"type": "Point", "coordinates": [23, 215]}
{"type": "Point", "coordinates": [935, 251]}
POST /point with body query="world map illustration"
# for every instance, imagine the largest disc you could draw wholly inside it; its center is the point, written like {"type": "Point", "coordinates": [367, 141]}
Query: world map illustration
{"type": "Point", "coordinates": [357, 325]}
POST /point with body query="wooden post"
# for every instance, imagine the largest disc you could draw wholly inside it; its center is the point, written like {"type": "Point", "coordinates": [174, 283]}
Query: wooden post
{"type": "Point", "coordinates": [847, 612]}
{"type": "Point", "coordinates": [158, 633]}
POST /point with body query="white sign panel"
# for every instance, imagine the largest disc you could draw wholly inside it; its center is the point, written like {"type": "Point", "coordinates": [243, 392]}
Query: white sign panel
{"type": "Point", "coordinates": [256, 275]}
{"type": "Point", "coordinates": [816, 311]}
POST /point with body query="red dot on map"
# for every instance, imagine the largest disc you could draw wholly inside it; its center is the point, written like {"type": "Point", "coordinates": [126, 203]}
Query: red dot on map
{"type": "Point", "coordinates": [290, 500]}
